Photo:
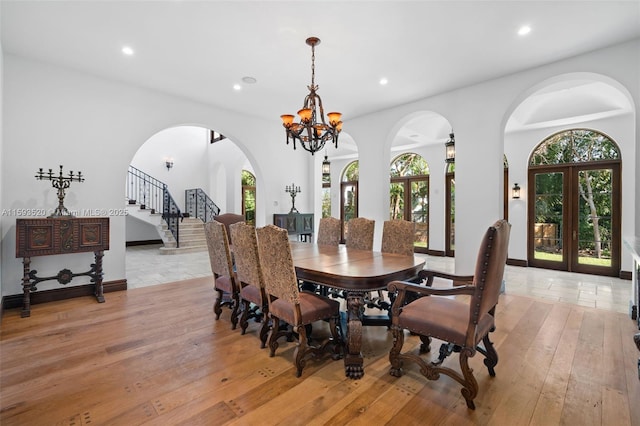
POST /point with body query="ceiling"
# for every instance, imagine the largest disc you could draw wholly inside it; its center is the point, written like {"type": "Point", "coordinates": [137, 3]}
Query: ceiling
{"type": "Point", "coordinates": [200, 49]}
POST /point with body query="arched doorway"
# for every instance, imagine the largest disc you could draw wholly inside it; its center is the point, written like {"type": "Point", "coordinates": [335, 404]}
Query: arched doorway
{"type": "Point", "coordinates": [574, 213]}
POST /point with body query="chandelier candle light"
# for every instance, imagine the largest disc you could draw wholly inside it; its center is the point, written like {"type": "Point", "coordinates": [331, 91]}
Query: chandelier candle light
{"type": "Point", "coordinates": [312, 132]}
{"type": "Point", "coordinates": [293, 190]}
{"type": "Point", "coordinates": [61, 183]}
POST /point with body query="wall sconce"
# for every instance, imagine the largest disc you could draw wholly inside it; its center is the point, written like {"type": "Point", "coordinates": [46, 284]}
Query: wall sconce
{"type": "Point", "coordinates": [515, 191]}
{"type": "Point", "coordinates": [326, 169]}
{"type": "Point", "coordinates": [450, 146]}
{"type": "Point", "coordinates": [168, 162]}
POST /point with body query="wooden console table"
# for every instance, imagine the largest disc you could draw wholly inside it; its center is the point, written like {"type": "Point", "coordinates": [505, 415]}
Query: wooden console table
{"type": "Point", "coordinates": [61, 235]}
{"type": "Point", "coordinates": [300, 224]}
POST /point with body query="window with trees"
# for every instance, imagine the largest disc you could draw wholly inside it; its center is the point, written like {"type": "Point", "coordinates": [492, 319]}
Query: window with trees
{"type": "Point", "coordinates": [249, 197]}
{"type": "Point", "coordinates": [348, 195]}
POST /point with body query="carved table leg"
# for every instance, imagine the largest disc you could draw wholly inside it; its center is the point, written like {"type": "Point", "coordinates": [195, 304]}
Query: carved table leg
{"type": "Point", "coordinates": [26, 288]}
{"type": "Point", "coordinates": [98, 276]}
{"type": "Point", "coordinates": [353, 359]}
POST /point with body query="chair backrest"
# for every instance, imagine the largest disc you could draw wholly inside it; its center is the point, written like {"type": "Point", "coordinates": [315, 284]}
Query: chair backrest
{"type": "Point", "coordinates": [276, 262]}
{"type": "Point", "coordinates": [360, 233]}
{"type": "Point", "coordinates": [245, 249]}
{"type": "Point", "coordinates": [492, 258]}
{"type": "Point", "coordinates": [398, 236]}
{"type": "Point", "coordinates": [329, 231]}
{"type": "Point", "coordinates": [218, 246]}
{"type": "Point", "coordinates": [228, 219]}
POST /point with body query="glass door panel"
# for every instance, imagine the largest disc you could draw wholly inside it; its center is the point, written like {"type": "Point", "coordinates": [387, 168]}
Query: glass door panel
{"type": "Point", "coordinates": [420, 212]}
{"type": "Point", "coordinates": [450, 226]}
{"type": "Point", "coordinates": [548, 225]}
{"type": "Point", "coordinates": [594, 232]}
{"type": "Point", "coordinates": [396, 204]}
{"type": "Point", "coordinates": [348, 204]}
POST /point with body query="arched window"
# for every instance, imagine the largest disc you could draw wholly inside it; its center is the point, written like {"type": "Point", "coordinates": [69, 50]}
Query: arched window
{"type": "Point", "coordinates": [409, 194]}
{"type": "Point", "coordinates": [574, 208]}
{"type": "Point", "coordinates": [249, 197]}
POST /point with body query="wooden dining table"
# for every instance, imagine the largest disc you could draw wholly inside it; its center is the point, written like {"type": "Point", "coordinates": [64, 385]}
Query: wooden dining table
{"type": "Point", "coordinates": [357, 273]}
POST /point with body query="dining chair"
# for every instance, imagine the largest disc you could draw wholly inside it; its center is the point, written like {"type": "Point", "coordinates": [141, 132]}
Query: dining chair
{"type": "Point", "coordinates": [462, 323]}
{"type": "Point", "coordinates": [286, 303]}
{"type": "Point", "coordinates": [360, 233]}
{"type": "Point", "coordinates": [227, 219]}
{"type": "Point", "coordinates": [398, 237]}
{"type": "Point", "coordinates": [329, 231]}
{"type": "Point", "coordinates": [224, 276]}
{"type": "Point", "coordinates": [250, 279]}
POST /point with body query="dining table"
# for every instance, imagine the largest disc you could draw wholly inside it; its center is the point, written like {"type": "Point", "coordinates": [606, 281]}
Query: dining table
{"type": "Point", "coordinates": [356, 273]}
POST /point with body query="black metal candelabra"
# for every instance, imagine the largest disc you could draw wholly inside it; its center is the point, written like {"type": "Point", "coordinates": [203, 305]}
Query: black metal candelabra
{"type": "Point", "coordinates": [61, 183]}
{"type": "Point", "coordinates": [293, 190]}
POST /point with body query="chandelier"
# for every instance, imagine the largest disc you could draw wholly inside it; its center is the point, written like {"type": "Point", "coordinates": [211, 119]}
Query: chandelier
{"type": "Point", "coordinates": [312, 131]}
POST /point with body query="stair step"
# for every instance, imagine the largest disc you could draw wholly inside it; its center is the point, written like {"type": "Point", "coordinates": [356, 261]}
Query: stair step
{"type": "Point", "coordinates": [175, 250]}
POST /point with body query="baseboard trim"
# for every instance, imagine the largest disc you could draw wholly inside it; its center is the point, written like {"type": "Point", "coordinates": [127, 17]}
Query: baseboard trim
{"type": "Point", "coordinates": [142, 243]}
{"type": "Point", "coordinates": [626, 275]}
{"type": "Point", "coordinates": [517, 262]}
{"type": "Point", "coordinates": [15, 300]}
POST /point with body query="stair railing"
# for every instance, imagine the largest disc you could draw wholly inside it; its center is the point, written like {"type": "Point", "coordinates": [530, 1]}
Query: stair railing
{"type": "Point", "coordinates": [198, 204]}
{"type": "Point", "coordinates": [145, 190]}
{"type": "Point", "coordinates": [171, 214]}
{"type": "Point", "coordinates": [153, 194]}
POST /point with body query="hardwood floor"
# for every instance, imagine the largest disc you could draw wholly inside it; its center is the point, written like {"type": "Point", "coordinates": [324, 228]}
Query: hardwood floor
{"type": "Point", "coordinates": [156, 356]}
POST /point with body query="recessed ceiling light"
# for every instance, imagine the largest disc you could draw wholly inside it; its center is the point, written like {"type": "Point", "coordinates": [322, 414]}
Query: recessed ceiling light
{"type": "Point", "coordinates": [249, 80]}
{"type": "Point", "coordinates": [524, 30]}
{"type": "Point", "coordinates": [383, 81]}
{"type": "Point", "coordinates": [237, 87]}
{"type": "Point", "coordinates": [126, 50]}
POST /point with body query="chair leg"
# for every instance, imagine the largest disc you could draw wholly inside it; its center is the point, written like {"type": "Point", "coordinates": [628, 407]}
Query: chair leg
{"type": "Point", "coordinates": [301, 350]}
{"type": "Point", "coordinates": [235, 308]}
{"type": "Point", "coordinates": [244, 316]}
{"type": "Point", "coordinates": [491, 356]}
{"type": "Point", "coordinates": [336, 337]}
{"type": "Point", "coordinates": [264, 330]}
{"type": "Point", "coordinates": [217, 306]}
{"type": "Point", "coordinates": [469, 384]}
{"type": "Point", "coordinates": [274, 331]}
{"type": "Point", "coordinates": [394, 353]}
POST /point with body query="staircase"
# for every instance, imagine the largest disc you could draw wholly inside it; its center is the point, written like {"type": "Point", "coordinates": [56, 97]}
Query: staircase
{"type": "Point", "coordinates": [149, 200]}
{"type": "Point", "coordinates": [192, 238]}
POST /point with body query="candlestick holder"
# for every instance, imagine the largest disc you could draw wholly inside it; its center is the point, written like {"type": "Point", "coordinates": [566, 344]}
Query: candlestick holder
{"type": "Point", "coordinates": [293, 190]}
{"type": "Point", "coordinates": [61, 183]}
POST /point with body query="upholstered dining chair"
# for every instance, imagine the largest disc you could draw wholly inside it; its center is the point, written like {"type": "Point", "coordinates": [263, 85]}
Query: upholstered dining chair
{"type": "Point", "coordinates": [462, 323]}
{"type": "Point", "coordinates": [360, 233]}
{"type": "Point", "coordinates": [225, 282]}
{"type": "Point", "coordinates": [398, 236]}
{"type": "Point", "coordinates": [286, 303]}
{"type": "Point", "coordinates": [250, 279]}
{"type": "Point", "coordinates": [329, 231]}
{"type": "Point", "coordinates": [227, 219]}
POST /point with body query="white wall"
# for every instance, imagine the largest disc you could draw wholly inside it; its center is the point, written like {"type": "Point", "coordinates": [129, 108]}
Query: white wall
{"type": "Point", "coordinates": [187, 146]}
{"type": "Point", "coordinates": [57, 116]}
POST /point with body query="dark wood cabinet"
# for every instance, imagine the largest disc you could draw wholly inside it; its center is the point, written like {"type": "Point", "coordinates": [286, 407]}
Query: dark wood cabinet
{"type": "Point", "coordinates": [61, 235]}
{"type": "Point", "coordinates": [300, 224]}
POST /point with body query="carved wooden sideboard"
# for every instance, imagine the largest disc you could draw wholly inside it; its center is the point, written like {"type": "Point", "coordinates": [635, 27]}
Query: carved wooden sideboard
{"type": "Point", "coordinates": [60, 235]}
{"type": "Point", "coordinates": [300, 224]}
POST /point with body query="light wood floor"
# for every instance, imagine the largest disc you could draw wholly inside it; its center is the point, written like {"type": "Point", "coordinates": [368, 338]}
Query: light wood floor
{"type": "Point", "coordinates": [156, 355]}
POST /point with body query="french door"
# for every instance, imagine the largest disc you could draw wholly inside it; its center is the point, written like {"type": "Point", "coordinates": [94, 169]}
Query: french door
{"type": "Point", "coordinates": [410, 201]}
{"type": "Point", "coordinates": [574, 217]}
